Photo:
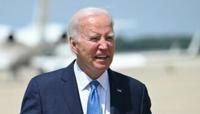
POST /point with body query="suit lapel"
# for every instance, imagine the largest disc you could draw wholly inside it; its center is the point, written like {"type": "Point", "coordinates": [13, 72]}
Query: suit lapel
{"type": "Point", "coordinates": [70, 91]}
{"type": "Point", "coordinates": [119, 94]}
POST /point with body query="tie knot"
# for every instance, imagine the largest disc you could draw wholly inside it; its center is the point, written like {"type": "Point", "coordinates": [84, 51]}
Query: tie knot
{"type": "Point", "coordinates": [94, 84]}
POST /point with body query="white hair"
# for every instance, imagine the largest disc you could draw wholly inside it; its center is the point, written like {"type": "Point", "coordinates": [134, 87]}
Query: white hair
{"type": "Point", "coordinates": [73, 27]}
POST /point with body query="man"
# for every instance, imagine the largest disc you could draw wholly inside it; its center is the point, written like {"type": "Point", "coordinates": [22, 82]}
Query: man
{"type": "Point", "coordinates": [70, 90]}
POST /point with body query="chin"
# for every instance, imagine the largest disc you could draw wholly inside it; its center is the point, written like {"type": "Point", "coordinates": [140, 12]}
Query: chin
{"type": "Point", "coordinates": [102, 66]}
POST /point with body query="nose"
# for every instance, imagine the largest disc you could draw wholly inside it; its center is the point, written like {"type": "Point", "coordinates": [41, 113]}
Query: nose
{"type": "Point", "coordinates": [103, 44]}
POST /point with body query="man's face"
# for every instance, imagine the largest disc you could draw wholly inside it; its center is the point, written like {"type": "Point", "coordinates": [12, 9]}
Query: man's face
{"type": "Point", "coordinates": [95, 46]}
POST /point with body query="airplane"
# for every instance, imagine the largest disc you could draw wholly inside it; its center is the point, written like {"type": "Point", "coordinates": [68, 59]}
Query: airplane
{"type": "Point", "coordinates": [18, 47]}
{"type": "Point", "coordinates": [194, 47]}
{"type": "Point", "coordinates": [44, 46]}
{"type": "Point", "coordinates": [40, 44]}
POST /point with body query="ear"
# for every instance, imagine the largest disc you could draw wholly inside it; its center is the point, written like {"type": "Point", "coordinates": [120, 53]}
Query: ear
{"type": "Point", "coordinates": [73, 45]}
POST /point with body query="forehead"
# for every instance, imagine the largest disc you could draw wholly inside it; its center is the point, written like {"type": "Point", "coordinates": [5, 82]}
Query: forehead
{"type": "Point", "coordinates": [97, 22]}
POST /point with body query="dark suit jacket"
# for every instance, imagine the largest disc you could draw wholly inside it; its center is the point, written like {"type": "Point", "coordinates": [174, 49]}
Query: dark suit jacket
{"type": "Point", "coordinates": [57, 93]}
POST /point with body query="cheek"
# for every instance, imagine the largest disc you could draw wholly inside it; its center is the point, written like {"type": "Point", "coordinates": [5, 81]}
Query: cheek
{"type": "Point", "coordinates": [111, 46]}
{"type": "Point", "coordinates": [89, 49]}
{"type": "Point", "coordinates": [92, 49]}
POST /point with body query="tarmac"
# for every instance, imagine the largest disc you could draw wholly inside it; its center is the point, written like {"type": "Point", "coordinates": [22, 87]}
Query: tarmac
{"type": "Point", "coordinates": [172, 82]}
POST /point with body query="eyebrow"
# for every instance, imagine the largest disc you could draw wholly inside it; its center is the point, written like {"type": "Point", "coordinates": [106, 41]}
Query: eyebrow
{"type": "Point", "coordinates": [96, 33]}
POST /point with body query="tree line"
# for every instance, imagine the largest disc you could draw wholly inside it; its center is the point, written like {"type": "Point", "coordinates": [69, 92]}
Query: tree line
{"type": "Point", "coordinates": [150, 42]}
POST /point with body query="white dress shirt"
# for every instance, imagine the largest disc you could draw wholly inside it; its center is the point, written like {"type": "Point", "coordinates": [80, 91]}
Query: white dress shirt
{"type": "Point", "coordinates": [84, 89]}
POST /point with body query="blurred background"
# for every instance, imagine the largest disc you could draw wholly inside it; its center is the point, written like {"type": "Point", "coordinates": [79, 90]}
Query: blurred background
{"type": "Point", "coordinates": [158, 43]}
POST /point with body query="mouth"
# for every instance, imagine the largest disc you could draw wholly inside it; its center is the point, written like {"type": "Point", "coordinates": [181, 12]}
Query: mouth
{"type": "Point", "coordinates": [102, 57]}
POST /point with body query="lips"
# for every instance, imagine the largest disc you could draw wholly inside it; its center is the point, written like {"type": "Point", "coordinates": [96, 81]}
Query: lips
{"type": "Point", "coordinates": [102, 57]}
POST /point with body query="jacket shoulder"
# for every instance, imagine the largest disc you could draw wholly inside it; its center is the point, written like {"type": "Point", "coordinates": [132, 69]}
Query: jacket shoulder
{"type": "Point", "coordinates": [122, 78]}
{"type": "Point", "coordinates": [49, 75]}
{"type": "Point", "coordinates": [48, 80]}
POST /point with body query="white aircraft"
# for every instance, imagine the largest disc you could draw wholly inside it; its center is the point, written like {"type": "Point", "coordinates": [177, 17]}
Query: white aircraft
{"type": "Point", "coordinates": [39, 46]}
{"type": "Point", "coordinates": [31, 35]}
{"type": "Point", "coordinates": [20, 46]}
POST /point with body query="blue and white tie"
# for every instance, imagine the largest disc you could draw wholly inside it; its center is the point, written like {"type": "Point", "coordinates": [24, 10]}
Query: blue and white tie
{"type": "Point", "coordinates": [94, 106]}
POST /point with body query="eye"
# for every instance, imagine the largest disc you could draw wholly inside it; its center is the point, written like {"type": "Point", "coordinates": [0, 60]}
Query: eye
{"type": "Point", "coordinates": [94, 38]}
{"type": "Point", "coordinates": [109, 38]}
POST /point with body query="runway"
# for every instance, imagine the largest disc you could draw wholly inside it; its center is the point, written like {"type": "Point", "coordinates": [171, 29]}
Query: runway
{"type": "Point", "coordinates": [172, 81]}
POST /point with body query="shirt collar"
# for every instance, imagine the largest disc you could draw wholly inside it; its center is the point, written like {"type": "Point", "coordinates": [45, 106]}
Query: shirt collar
{"type": "Point", "coordinates": [103, 80]}
{"type": "Point", "coordinates": [83, 79]}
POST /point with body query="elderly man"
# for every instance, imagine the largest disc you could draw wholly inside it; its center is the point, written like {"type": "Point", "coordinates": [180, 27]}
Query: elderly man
{"type": "Point", "coordinates": [87, 85]}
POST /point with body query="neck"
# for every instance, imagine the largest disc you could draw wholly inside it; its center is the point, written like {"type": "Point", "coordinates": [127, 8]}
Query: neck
{"type": "Point", "coordinates": [91, 72]}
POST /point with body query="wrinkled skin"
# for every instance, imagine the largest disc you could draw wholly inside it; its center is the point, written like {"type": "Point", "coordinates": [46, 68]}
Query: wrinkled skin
{"type": "Point", "coordinates": [95, 44]}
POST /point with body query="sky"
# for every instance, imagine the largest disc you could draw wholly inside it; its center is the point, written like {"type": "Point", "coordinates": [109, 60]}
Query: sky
{"type": "Point", "coordinates": [130, 16]}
